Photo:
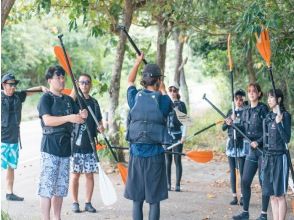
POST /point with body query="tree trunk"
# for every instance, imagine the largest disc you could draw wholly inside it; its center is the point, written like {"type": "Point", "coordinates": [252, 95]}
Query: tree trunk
{"type": "Point", "coordinates": [116, 77]}
{"type": "Point", "coordinates": [249, 65]}
{"type": "Point", "coordinates": [6, 6]}
{"type": "Point", "coordinates": [179, 57]}
{"type": "Point", "coordinates": [184, 89]}
{"type": "Point", "coordinates": [161, 42]}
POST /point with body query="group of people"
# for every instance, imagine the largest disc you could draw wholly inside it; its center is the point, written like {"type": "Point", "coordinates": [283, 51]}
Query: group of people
{"type": "Point", "coordinates": [152, 124]}
{"type": "Point", "coordinates": [269, 130]}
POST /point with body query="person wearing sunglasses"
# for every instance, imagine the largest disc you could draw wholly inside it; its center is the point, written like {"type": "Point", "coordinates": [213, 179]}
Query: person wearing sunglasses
{"type": "Point", "coordinates": [11, 105]}
{"type": "Point", "coordinates": [83, 160]}
{"type": "Point", "coordinates": [237, 154]}
{"type": "Point", "coordinates": [177, 132]}
{"type": "Point", "coordinates": [146, 133]}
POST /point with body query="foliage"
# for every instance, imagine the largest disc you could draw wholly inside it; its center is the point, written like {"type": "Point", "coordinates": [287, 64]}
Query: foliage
{"type": "Point", "coordinates": [5, 215]}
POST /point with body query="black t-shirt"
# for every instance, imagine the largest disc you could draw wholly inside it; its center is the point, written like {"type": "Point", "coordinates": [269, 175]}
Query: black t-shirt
{"type": "Point", "coordinates": [10, 133]}
{"type": "Point", "coordinates": [81, 134]}
{"type": "Point", "coordinates": [58, 143]}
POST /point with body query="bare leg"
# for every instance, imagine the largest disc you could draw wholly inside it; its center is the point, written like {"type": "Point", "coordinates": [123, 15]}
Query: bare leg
{"type": "Point", "coordinates": [9, 180]}
{"type": "Point", "coordinates": [275, 207]}
{"type": "Point", "coordinates": [282, 207]}
{"type": "Point", "coordinates": [74, 186]}
{"type": "Point", "coordinates": [56, 206]}
{"type": "Point", "coordinates": [89, 186]}
{"type": "Point", "coordinates": [45, 204]}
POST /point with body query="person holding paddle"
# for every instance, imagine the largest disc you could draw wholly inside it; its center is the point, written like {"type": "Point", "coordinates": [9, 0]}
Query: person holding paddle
{"type": "Point", "coordinates": [178, 131]}
{"type": "Point", "coordinates": [11, 105]}
{"type": "Point", "coordinates": [57, 112]}
{"type": "Point", "coordinates": [146, 133]}
{"type": "Point", "coordinates": [83, 158]}
{"type": "Point", "coordinates": [235, 154]}
{"type": "Point", "coordinates": [251, 122]}
{"type": "Point", "coordinates": [277, 134]}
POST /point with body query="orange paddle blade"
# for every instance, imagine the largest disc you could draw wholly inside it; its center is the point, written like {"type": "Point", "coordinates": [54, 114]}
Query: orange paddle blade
{"type": "Point", "coordinates": [66, 91]}
{"type": "Point", "coordinates": [61, 58]}
{"type": "Point", "coordinates": [229, 52]}
{"type": "Point", "coordinates": [264, 47]}
{"type": "Point", "coordinates": [100, 147]}
{"type": "Point", "coordinates": [200, 156]}
{"type": "Point", "coordinates": [123, 172]}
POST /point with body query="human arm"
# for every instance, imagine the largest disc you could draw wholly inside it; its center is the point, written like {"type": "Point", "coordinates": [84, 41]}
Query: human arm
{"type": "Point", "coordinates": [133, 73]}
{"type": "Point", "coordinates": [41, 88]}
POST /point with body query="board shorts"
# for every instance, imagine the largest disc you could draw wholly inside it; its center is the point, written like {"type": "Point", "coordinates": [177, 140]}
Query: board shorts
{"type": "Point", "coordinates": [54, 176]}
{"type": "Point", "coordinates": [9, 155]}
{"type": "Point", "coordinates": [83, 163]}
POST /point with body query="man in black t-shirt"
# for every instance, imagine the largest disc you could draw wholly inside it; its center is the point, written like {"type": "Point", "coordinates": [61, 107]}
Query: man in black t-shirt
{"type": "Point", "coordinates": [11, 105]}
{"type": "Point", "coordinates": [57, 112]}
{"type": "Point", "coordinates": [83, 159]}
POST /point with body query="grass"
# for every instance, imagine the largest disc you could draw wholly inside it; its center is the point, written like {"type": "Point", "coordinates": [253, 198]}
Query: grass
{"type": "Point", "coordinates": [4, 215]}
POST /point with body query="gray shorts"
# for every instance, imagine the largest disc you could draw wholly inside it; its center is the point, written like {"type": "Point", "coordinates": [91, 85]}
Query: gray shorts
{"type": "Point", "coordinates": [54, 177]}
{"type": "Point", "coordinates": [146, 179]}
{"type": "Point", "coordinates": [83, 163]}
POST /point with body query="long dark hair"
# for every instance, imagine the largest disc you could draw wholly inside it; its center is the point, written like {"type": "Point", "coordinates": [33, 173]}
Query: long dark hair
{"type": "Point", "coordinates": [279, 94]}
{"type": "Point", "coordinates": [149, 81]}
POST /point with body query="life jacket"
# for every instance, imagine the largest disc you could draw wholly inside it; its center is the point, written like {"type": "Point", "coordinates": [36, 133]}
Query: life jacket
{"type": "Point", "coordinates": [237, 122]}
{"type": "Point", "coordinates": [253, 119]}
{"type": "Point", "coordinates": [273, 141]}
{"type": "Point", "coordinates": [146, 123]}
{"type": "Point", "coordinates": [60, 106]}
{"type": "Point", "coordinates": [17, 105]}
{"type": "Point", "coordinates": [173, 123]}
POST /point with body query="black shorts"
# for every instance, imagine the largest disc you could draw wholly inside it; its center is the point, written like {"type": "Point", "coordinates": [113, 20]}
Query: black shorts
{"type": "Point", "coordinates": [275, 175]}
{"type": "Point", "coordinates": [146, 179]}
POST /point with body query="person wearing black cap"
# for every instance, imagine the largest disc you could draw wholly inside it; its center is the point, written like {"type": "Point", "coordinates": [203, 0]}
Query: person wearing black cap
{"type": "Point", "coordinates": [177, 131]}
{"type": "Point", "coordinates": [11, 105]}
{"type": "Point", "coordinates": [146, 133]}
{"type": "Point", "coordinates": [237, 154]}
{"type": "Point", "coordinates": [57, 113]}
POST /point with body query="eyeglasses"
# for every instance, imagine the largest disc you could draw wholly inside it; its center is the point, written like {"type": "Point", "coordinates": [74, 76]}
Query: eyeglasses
{"type": "Point", "coordinates": [173, 90]}
{"type": "Point", "coordinates": [86, 82]}
{"type": "Point", "coordinates": [12, 84]}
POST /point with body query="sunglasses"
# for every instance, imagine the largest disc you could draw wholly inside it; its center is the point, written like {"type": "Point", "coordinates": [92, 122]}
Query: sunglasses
{"type": "Point", "coordinates": [173, 90]}
{"type": "Point", "coordinates": [86, 82]}
{"type": "Point", "coordinates": [12, 84]}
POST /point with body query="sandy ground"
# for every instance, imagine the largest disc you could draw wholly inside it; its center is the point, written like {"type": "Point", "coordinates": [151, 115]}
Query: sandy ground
{"type": "Point", "coordinates": [205, 190]}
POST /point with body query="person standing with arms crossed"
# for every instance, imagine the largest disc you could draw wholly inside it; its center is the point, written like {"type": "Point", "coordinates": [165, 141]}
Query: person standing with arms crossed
{"type": "Point", "coordinates": [11, 106]}
{"type": "Point", "coordinates": [83, 159]}
{"type": "Point", "coordinates": [57, 112]}
{"type": "Point", "coordinates": [277, 134]}
{"type": "Point", "coordinates": [178, 132]}
{"type": "Point", "coordinates": [147, 132]}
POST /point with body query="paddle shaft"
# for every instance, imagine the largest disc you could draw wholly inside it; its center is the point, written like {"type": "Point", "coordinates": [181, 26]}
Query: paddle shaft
{"type": "Point", "coordinates": [78, 97]}
{"type": "Point", "coordinates": [123, 28]}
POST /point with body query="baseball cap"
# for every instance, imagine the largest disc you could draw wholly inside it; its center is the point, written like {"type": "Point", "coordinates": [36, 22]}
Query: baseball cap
{"type": "Point", "coordinates": [151, 70]}
{"type": "Point", "coordinates": [9, 76]}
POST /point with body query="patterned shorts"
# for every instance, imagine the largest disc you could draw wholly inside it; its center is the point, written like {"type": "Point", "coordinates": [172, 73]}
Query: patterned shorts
{"type": "Point", "coordinates": [54, 177]}
{"type": "Point", "coordinates": [9, 155]}
{"type": "Point", "coordinates": [83, 163]}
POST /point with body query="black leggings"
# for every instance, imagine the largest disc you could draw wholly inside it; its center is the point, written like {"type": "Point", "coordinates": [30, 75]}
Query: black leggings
{"type": "Point", "coordinates": [232, 164]}
{"type": "Point", "coordinates": [178, 163]}
{"type": "Point", "coordinates": [154, 211]}
{"type": "Point", "coordinates": [250, 168]}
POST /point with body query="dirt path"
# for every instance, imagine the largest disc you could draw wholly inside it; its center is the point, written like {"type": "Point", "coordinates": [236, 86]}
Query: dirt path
{"type": "Point", "coordinates": [205, 192]}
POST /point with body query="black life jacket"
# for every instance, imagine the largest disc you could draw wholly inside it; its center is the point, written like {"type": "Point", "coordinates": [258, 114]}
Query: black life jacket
{"type": "Point", "coordinates": [146, 123]}
{"type": "Point", "coordinates": [253, 119]}
{"type": "Point", "coordinates": [17, 105]}
{"type": "Point", "coordinates": [272, 139]}
{"type": "Point", "coordinates": [60, 106]}
{"type": "Point", "coordinates": [173, 123]}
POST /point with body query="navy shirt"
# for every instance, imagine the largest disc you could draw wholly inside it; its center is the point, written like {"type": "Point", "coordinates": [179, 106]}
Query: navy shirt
{"type": "Point", "coordinates": [58, 144]}
{"type": "Point", "coordinates": [85, 146]}
{"type": "Point", "coordinates": [165, 106]}
{"type": "Point", "coordinates": [10, 133]}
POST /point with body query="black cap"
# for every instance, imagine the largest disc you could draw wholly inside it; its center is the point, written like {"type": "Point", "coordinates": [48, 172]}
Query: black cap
{"type": "Point", "coordinates": [151, 70]}
{"type": "Point", "coordinates": [240, 92]}
{"type": "Point", "coordinates": [9, 76]}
